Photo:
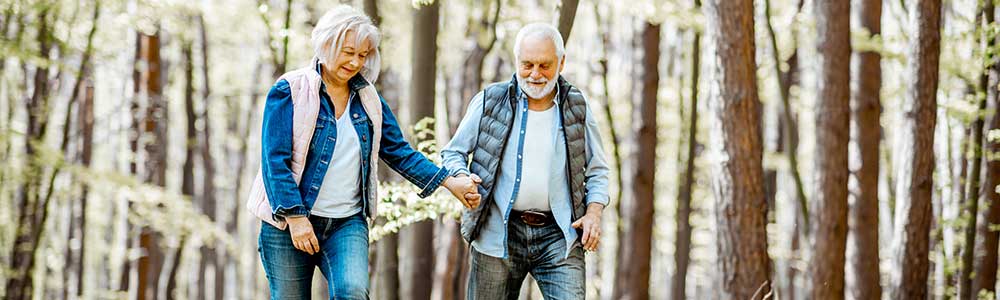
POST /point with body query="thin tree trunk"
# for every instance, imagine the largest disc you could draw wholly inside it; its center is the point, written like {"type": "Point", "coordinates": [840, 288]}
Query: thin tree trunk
{"type": "Point", "coordinates": [190, 143]}
{"type": "Point", "coordinates": [567, 14]}
{"type": "Point", "coordinates": [786, 79]}
{"type": "Point", "coordinates": [418, 237]}
{"type": "Point", "coordinates": [832, 135]}
{"type": "Point", "coordinates": [86, 120]}
{"type": "Point", "coordinates": [971, 199]}
{"type": "Point", "coordinates": [633, 271]}
{"type": "Point", "coordinates": [134, 133]}
{"type": "Point", "coordinates": [864, 214]}
{"type": "Point", "coordinates": [154, 126]}
{"type": "Point", "coordinates": [985, 262]}
{"type": "Point", "coordinates": [913, 190]}
{"type": "Point", "coordinates": [682, 254]}
{"type": "Point", "coordinates": [31, 222]}
{"type": "Point", "coordinates": [483, 32]}
{"type": "Point", "coordinates": [741, 206]}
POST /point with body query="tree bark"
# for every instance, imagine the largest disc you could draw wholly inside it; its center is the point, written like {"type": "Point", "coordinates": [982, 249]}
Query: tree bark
{"type": "Point", "coordinates": [971, 200]}
{"type": "Point", "coordinates": [865, 112]}
{"type": "Point", "coordinates": [86, 120]}
{"type": "Point", "coordinates": [914, 186]}
{"type": "Point", "coordinates": [190, 143]}
{"type": "Point", "coordinates": [419, 237]}
{"type": "Point", "coordinates": [153, 125]}
{"type": "Point", "coordinates": [567, 14]}
{"type": "Point", "coordinates": [682, 254]}
{"type": "Point", "coordinates": [31, 222]}
{"type": "Point", "coordinates": [832, 135]}
{"type": "Point", "coordinates": [483, 33]}
{"type": "Point", "coordinates": [633, 271]}
{"type": "Point", "coordinates": [741, 206]}
{"type": "Point", "coordinates": [985, 261]}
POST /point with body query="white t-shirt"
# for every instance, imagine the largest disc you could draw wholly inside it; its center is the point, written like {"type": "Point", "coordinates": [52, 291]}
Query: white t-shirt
{"type": "Point", "coordinates": [537, 160]}
{"type": "Point", "coordinates": [339, 195]}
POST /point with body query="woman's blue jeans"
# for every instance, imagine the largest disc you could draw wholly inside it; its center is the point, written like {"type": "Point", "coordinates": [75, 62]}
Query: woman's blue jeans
{"type": "Point", "coordinates": [343, 259]}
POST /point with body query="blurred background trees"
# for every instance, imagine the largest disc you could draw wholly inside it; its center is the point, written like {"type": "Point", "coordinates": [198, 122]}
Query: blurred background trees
{"type": "Point", "coordinates": [783, 149]}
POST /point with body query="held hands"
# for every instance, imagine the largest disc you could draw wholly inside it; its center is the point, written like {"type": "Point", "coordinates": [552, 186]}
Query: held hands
{"type": "Point", "coordinates": [302, 233]}
{"type": "Point", "coordinates": [591, 225]}
{"type": "Point", "coordinates": [465, 189]}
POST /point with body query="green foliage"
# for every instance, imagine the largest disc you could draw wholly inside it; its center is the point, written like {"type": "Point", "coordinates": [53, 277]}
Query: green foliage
{"type": "Point", "coordinates": [399, 204]}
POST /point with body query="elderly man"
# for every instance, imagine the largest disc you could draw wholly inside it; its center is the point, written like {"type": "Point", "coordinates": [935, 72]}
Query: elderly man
{"type": "Point", "coordinates": [536, 145]}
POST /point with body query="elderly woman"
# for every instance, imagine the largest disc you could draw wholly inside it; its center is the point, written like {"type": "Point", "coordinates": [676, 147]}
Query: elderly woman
{"type": "Point", "coordinates": [325, 127]}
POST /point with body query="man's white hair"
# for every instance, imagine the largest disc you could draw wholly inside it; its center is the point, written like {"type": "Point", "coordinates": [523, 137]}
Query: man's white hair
{"type": "Point", "coordinates": [540, 29]}
{"type": "Point", "coordinates": [328, 38]}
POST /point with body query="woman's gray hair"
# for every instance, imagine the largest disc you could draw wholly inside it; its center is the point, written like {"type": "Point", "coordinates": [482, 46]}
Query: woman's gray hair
{"type": "Point", "coordinates": [328, 38]}
{"type": "Point", "coordinates": [544, 30]}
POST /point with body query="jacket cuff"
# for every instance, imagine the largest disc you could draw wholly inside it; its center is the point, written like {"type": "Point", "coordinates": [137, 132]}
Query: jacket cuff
{"type": "Point", "coordinates": [597, 198]}
{"type": "Point", "coordinates": [435, 182]}
{"type": "Point", "coordinates": [282, 212]}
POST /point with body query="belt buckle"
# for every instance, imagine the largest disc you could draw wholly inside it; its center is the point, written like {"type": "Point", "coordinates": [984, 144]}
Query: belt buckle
{"type": "Point", "coordinates": [533, 218]}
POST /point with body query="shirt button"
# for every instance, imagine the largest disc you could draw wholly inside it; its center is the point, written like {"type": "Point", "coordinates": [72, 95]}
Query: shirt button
{"type": "Point", "coordinates": [522, 131]}
{"type": "Point", "coordinates": [518, 156]}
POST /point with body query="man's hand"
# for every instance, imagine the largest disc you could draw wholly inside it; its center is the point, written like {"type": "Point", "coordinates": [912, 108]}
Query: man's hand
{"type": "Point", "coordinates": [465, 188]}
{"type": "Point", "coordinates": [302, 233]}
{"type": "Point", "coordinates": [591, 225]}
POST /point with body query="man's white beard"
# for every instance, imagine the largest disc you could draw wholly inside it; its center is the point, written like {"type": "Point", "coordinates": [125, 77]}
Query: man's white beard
{"type": "Point", "coordinates": [533, 91]}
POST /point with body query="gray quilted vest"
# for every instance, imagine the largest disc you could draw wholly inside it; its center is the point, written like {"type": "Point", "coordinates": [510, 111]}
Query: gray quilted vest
{"type": "Point", "coordinates": [499, 106]}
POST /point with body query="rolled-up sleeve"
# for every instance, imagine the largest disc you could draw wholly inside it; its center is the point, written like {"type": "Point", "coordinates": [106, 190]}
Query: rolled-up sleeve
{"type": "Point", "coordinates": [455, 155]}
{"type": "Point", "coordinates": [597, 164]}
{"type": "Point", "coordinates": [276, 157]}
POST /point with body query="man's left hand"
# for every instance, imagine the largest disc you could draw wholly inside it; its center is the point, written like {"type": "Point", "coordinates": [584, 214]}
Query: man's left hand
{"type": "Point", "coordinates": [590, 223]}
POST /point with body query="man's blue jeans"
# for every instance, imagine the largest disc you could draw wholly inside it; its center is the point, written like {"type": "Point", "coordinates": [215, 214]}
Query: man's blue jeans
{"type": "Point", "coordinates": [343, 259]}
{"type": "Point", "coordinates": [540, 251]}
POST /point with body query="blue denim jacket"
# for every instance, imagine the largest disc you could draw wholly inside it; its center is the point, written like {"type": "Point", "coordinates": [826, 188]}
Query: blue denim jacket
{"type": "Point", "coordinates": [290, 199]}
{"type": "Point", "coordinates": [492, 240]}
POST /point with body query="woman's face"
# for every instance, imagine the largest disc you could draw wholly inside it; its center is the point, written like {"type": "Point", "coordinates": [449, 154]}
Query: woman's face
{"type": "Point", "coordinates": [350, 59]}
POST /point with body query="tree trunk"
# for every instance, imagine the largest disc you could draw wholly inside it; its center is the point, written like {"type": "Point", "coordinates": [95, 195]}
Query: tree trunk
{"type": "Point", "coordinates": [866, 111]}
{"type": "Point", "coordinates": [914, 187]}
{"type": "Point", "coordinates": [209, 255]}
{"type": "Point", "coordinates": [972, 188]}
{"type": "Point", "coordinates": [86, 120]}
{"type": "Point", "coordinates": [77, 229]}
{"type": "Point", "coordinates": [832, 134]}
{"type": "Point", "coordinates": [633, 271]}
{"type": "Point", "coordinates": [135, 131]}
{"type": "Point", "coordinates": [567, 14]}
{"type": "Point", "coordinates": [190, 143]}
{"type": "Point", "coordinates": [741, 206]}
{"type": "Point", "coordinates": [419, 237]}
{"type": "Point", "coordinates": [31, 222]}
{"type": "Point", "coordinates": [786, 79]}
{"type": "Point", "coordinates": [153, 125]}
{"type": "Point", "coordinates": [985, 275]}
{"type": "Point", "coordinates": [683, 245]}
{"type": "Point", "coordinates": [483, 32]}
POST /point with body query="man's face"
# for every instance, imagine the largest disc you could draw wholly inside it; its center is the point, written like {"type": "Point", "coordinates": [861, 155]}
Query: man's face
{"type": "Point", "coordinates": [538, 66]}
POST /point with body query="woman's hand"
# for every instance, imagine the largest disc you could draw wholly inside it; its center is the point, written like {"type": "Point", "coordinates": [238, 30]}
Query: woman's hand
{"type": "Point", "coordinates": [465, 189]}
{"type": "Point", "coordinates": [302, 233]}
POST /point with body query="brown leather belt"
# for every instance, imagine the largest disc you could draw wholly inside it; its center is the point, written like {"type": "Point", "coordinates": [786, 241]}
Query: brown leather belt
{"type": "Point", "coordinates": [533, 218]}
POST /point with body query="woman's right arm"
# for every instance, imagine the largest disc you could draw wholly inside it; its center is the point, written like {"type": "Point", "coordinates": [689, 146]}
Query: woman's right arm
{"type": "Point", "coordinates": [276, 145]}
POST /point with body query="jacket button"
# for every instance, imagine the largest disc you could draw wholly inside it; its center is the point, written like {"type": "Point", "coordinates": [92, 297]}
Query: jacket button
{"type": "Point", "coordinates": [355, 116]}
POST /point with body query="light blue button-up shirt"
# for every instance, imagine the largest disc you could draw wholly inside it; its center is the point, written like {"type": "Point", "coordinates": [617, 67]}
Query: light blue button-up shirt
{"type": "Point", "coordinates": [492, 240]}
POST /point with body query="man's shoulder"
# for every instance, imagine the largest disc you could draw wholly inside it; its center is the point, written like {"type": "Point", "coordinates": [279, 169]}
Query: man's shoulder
{"type": "Point", "coordinates": [496, 88]}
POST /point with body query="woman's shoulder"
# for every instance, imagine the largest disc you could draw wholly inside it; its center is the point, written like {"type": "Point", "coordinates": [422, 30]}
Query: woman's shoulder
{"type": "Point", "coordinates": [280, 89]}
